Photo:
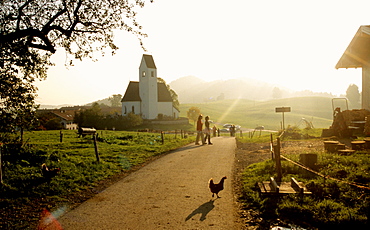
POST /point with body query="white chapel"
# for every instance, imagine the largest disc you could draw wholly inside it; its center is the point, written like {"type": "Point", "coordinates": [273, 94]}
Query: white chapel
{"type": "Point", "coordinates": [148, 97]}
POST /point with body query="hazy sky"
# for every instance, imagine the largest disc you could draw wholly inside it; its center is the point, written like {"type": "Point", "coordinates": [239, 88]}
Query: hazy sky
{"type": "Point", "coordinates": [293, 43]}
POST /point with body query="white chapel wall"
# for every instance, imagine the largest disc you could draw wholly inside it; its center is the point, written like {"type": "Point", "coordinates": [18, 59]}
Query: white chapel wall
{"type": "Point", "coordinates": [167, 109]}
{"type": "Point", "coordinates": [128, 106]}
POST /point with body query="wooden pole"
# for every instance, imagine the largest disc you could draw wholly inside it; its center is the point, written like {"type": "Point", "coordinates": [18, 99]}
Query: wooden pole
{"type": "Point", "coordinates": [1, 168]}
{"type": "Point", "coordinates": [61, 136]}
{"type": "Point", "coordinates": [162, 136]}
{"type": "Point", "coordinates": [96, 149]}
{"type": "Point", "coordinates": [272, 149]}
{"type": "Point", "coordinates": [365, 87]}
{"type": "Point", "coordinates": [277, 160]}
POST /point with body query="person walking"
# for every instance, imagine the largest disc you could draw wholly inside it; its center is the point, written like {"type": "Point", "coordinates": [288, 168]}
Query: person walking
{"type": "Point", "coordinates": [207, 131]}
{"type": "Point", "coordinates": [199, 130]}
{"type": "Point", "coordinates": [214, 129]}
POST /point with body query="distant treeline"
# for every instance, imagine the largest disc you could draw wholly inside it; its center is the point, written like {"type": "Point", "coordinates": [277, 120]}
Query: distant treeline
{"type": "Point", "coordinates": [94, 117]}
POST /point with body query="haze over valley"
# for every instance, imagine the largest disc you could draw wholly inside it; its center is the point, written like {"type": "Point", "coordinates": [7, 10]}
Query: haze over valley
{"type": "Point", "coordinates": [191, 89]}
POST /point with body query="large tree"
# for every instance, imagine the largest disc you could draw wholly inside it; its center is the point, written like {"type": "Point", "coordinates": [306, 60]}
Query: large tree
{"type": "Point", "coordinates": [353, 95]}
{"type": "Point", "coordinates": [193, 113]}
{"type": "Point", "coordinates": [115, 100]}
{"type": "Point", "coordinates": [32, 30]}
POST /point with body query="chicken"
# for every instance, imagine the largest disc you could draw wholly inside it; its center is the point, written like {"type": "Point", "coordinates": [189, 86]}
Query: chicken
{"type": "Point", "coordinates": [49, 173]}
{"type": "Point", "coordinates": [216, 188]}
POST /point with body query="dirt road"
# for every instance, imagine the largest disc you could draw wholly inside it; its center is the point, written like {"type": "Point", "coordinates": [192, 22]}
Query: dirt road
{"type": "Point", "coordinates": [169, 193]}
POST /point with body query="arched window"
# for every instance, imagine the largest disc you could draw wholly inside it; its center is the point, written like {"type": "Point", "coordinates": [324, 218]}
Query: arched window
{"type": "Point", "coordinates": [143, 74]}
{"type": "Point", "coordinates": [133, 109]}
{"type": "Point", "coordinates": [125, 110]}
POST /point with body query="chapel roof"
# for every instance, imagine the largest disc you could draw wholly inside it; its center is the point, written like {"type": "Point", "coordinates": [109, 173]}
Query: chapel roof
{"type": "Point", "coordinates": [357, 53]}
{"type": "Point", "coordinates": [164, 94]}
{"type": "Point", "coordinates": [149, 61]}
{"type": "Point", "coordinates": [132, 92]}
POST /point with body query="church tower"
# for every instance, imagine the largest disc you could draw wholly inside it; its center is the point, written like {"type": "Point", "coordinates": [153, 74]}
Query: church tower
{"type": "Point", "coordinates": [148, 87]}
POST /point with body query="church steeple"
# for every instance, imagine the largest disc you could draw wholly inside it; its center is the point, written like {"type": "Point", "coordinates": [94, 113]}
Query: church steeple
{"type": "Point", "coordinates": [148, 87]}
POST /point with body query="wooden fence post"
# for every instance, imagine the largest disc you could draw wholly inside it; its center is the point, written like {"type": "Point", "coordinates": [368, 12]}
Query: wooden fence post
{"type": "Point", "coordinates": [96, 149]}
{"type": "Point", "coordinates": [162, 136]}
{"type": "Point", "coordinates": [272, 149]}
{"type": "Point", "coordinates": [1, 168]}
{"type": "Point", "coordinates": [277, 160]}
{"type": "Point", "coordinates": [61, 136]}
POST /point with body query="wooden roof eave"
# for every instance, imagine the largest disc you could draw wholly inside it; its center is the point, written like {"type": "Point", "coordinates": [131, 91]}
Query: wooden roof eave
{"type": "Point", "coordinates": [358, 51]}
{"type": "Point", "coordinates": [356, 61]}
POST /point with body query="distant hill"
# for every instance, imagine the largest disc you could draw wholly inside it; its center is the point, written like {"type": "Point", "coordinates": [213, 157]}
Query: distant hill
{"type": "Point", "coordinates": [191, 89]}
{"type": "Point", "coordinates": [252, 113]}
{"type": "Point", "coordinates": [104, 101]}
{"type": "Point", "coordinates": [54, 106]}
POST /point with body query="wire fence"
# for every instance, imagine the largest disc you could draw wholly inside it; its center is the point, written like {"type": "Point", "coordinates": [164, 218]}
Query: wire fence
{"type": "Point", "coordinates": [360, 186]}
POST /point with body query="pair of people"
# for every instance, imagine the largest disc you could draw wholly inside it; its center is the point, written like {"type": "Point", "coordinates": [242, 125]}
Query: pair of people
{"type": "Point", "coordinates": [200, 131]}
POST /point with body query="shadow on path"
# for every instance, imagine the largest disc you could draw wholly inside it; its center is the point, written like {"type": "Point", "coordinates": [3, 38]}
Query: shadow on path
{"type": "Point", "coordinates": [204, 209]}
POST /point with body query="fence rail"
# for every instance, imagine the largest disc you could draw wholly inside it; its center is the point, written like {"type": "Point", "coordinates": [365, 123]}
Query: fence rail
{"type": "Point", "coordinates": [275, 151]}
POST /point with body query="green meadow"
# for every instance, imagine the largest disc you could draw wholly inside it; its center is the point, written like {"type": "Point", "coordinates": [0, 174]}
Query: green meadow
{"type": "Point", "coordinates": [25, 192]}
{"type": "Point", "coordinates": [250, 114]}
{"type": "Point", "coordinates": [123, 151]}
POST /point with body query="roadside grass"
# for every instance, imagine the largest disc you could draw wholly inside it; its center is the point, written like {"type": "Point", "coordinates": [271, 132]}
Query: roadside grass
{"type": "Point", "coordinates": [23, 183]}
{"type": "Point", "coordinates": [332, 205]}
{"type": "Point", "coordinates": [292, 133]}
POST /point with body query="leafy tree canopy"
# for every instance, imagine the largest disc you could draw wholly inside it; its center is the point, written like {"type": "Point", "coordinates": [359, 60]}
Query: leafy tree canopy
{"type": "Point", "coordinates": [277, 93]}
{"type": "Point", "coordinates": [115, 100]}
{"type": "Point", "coordinates": [353, 95]}
{"type": "Point", "coordinates": [32, 30]}
{"type": "Point", "coordinates": [93, 117]}
{"type": "Point", "coordinates": [193, 113]}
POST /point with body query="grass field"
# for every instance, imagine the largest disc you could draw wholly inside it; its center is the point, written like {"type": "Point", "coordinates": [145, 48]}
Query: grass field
{"type": "Point", "coordinates": [25, 192]}
{"type": "Point", "coordinates": [250, 114]}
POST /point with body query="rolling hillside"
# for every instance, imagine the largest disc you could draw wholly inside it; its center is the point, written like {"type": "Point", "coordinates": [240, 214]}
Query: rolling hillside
{"type": "Point", "coordinates": [191, 89]}
{"type": "Point", "coordinates": [250, 114]}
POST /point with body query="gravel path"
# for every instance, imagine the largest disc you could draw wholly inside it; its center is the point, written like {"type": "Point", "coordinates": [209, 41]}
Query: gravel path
{"type": "Point", "coordinates": [169, 193]}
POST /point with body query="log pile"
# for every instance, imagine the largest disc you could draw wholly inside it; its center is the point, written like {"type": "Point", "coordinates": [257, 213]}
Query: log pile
{"type": "Point", "coordinates": [350, 122]}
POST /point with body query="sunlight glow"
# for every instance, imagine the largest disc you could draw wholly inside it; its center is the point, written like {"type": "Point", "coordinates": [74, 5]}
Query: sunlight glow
{"type": "Point", "coordinates": [235, 102]}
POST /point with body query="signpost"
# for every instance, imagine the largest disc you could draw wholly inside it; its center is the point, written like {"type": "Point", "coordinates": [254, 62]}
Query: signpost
{"type": "Point", "coordinates": [282, 110]}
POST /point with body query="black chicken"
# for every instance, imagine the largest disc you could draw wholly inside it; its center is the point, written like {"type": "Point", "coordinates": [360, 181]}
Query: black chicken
{"type": "Point", "coordinates": [216, 188]}
{"type": "Point", "coordinates": [49, 173]}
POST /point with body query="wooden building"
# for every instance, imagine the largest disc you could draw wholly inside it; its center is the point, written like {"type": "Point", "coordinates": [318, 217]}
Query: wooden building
{"type": "Point", "coordinates": [357, 55]}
